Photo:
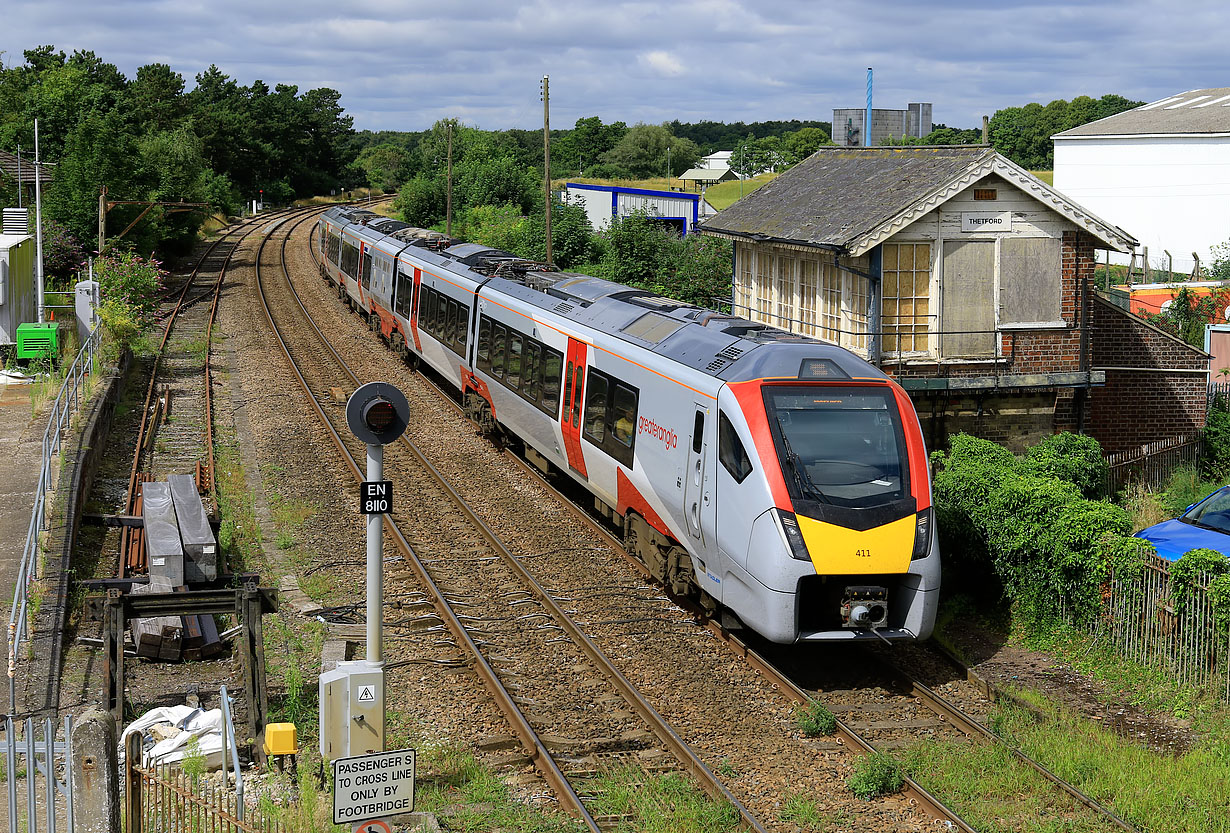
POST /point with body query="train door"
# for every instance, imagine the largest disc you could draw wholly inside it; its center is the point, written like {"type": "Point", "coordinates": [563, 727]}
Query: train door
{"type": "Point", "coordinates": [698, 503]}
{"type": "Point", "coordinates": [414, 309]}
{"type": "Point", "coordinates": [570, 412]}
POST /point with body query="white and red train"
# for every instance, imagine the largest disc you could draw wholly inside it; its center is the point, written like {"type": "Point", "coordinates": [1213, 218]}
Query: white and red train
{"type": "Point", "coordinates": [775, 477]}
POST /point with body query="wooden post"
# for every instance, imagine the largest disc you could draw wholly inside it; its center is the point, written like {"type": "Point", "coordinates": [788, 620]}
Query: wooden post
{"type": "Point", "coordinates": [254, 668]}
{"type": "Point", "coordinates": [133, 811]}
{"type": "Point", "coordinates": [113, 655]}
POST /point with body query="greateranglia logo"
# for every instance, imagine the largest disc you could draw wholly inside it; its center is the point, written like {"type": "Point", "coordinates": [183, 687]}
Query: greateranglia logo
{"type": "Point", "coordinates": [658, 432]}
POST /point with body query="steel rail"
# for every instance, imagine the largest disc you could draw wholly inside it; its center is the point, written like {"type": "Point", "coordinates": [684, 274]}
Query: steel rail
{"type": "Point", "coordinates": [707, 780]}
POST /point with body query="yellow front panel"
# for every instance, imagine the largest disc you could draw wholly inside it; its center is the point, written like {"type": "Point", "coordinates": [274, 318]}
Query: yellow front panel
{"type": "Point", "coordinates": [837, 550]}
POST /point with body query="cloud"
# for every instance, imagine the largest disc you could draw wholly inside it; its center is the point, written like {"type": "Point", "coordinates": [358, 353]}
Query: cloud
{"type": "Point", "coordinates": [402, 64]}
{"type": "Point", "coordinates": [662, 63]}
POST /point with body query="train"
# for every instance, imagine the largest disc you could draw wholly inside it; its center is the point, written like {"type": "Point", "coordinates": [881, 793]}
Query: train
{"type": "Point", "coordinates": [780, 481]}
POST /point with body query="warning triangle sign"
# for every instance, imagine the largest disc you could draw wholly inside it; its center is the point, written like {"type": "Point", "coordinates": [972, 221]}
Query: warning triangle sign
{"type": "Point", "coordinates": [367, 694]}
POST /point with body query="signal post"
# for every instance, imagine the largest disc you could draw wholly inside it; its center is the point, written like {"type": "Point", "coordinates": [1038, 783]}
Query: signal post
{"type": "Point", "coordinates": [352, 695]}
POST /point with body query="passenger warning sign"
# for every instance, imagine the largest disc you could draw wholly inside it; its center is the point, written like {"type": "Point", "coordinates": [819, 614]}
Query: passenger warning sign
{"type": "Point", "coordinates": [369, 787]}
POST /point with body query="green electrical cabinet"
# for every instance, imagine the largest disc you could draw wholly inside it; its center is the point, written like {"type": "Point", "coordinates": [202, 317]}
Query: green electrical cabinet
{"type": "Point", "coordinates": [37, 340]}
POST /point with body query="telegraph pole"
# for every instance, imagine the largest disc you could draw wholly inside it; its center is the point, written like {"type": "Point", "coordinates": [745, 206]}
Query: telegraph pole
{"type": "Point", "coordinates": [546, 155]}
{"type": "Point", "coordinates": [448, 199]}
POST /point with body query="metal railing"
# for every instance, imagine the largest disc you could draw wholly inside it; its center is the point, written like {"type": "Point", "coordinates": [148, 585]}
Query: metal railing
{"type": "Point", "coordinates": [42, 758]}
{"type": "Point", "coordinates": [228, 742]}
{"type": "Point", "coordinates": [1146, 625]}
{"type": "Point", "coordinates": [1152, 463]}
{"type": "Point", "coordinates": [59, 421]}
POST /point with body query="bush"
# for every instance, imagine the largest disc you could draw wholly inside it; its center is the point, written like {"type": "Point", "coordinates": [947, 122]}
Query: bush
{"type": "Point", "coordinates": [1046, 542]}
{"type": "Point", "coordinates": [815, 720]}
{"type": "Point", "coordinates": [1217, 437]}
{"type": "Point", "coordinates": [1072, 457]}
{"type": "Point", "coordinates": [132, 281]}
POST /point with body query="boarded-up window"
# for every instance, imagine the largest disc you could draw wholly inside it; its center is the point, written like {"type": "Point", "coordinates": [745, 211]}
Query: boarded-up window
{"type": "Point", "coordinates": [856, 313]}
{"type": "Point", "coordinates": [906, 306]}
{"type": "Point", "coordinates": [764, 288]}
{"type": "Point", "coordinates": [967, 319]}
{"type": "Point", "coordinates": [830, 303]}
{"type": "Point", "coordinates": [743, 286]}
{"type": "Point", "coordinates": [1029, 280]}
{"type": "Point", "coordinates": [784, 293]}
{"type": "Point", "coordinates": [807, 296]}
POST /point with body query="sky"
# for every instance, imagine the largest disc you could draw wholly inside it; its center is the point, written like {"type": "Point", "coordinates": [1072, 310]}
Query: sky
{"type": "Point", "coordinates": [404, 64]}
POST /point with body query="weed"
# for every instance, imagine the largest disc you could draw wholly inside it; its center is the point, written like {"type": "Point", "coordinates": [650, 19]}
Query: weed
{"type": "Point", "coordinates": [815, 720]}
{"type": "Point", "coordinates": [875, 775]}
{"type": "Point", "coordinates": [284, 539]}
{"type": "Point", "coordinates": [660, 802]}
{"type": "Point", "coordinates": [193, 763]}
{"type": "Point", "coordinates": [726, 769]}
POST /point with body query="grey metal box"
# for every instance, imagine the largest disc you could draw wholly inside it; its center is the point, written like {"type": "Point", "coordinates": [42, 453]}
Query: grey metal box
{"type": "Point", "coordinates": [162, 545]}
{"type": "Point", "coordinates": [201, 560]}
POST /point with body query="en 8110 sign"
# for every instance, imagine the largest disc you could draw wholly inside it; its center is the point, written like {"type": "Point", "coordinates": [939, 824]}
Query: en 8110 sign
{"type": "Point", "coordinates": [376, 497]}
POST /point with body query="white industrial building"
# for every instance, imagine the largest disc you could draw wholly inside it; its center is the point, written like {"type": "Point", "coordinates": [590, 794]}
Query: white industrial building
{"type": "Point", "coordinates": [1162, 170]}
{"type": "Point", "coordinates": [674, 209]}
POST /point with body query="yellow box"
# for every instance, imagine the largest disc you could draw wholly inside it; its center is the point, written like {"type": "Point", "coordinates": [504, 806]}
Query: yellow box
{"type": "Point", "coordinates": [281, 739]}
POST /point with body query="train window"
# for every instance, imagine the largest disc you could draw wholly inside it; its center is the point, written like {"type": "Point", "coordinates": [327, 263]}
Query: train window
{"type": "Point", "coordinates": [551, 365]}
{"type": "Point", "coordinates": [497, 351]}
{"type": "Point", "coordinates": [623, 415]}
{"type": "Point", "coordinates": [449, 335]}
{"type": "Point", "coordinates": [427, 313]}
{"type": "Point", "coordinates": [350, 259]}
{"type": "Point", "coordinates": [484, 343]}
{"type": "Point", "coordinates": [367, 269]}
{"type": "Point", "coordinates": [531, 387]}
{"type": "Point", "coordinates": [405, 294]}
{"type": "Point", "coordinates": [463, 326]}
{"type": "Point", "coordinates": [595, 407]}
{"type": "Point", "coordinates": [731, 452]}
{"type": "Point", "coordinates": [698, 432]}
{"type": "Point", "coordinates": [323, 239]}
{"type": "Point", "coordinates": [335, 246]}
{"type": "Point", "coordinates": [441, 315]}
{"type": "Point", "coordinates": [512, 377]}
{"type": "Point", "coordinates": [576, 397]}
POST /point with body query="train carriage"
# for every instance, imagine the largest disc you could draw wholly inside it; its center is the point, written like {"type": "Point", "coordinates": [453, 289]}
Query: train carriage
{"type": "Point", "coordinates": [778, 477]}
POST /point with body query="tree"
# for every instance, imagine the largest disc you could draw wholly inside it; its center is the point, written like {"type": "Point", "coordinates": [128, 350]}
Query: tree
{"type": "Point", "coordinates": [642, 152]}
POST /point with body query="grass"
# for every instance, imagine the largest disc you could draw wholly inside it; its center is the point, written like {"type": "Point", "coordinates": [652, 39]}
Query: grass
{"type": "Point", "coordinates": [467, 796]}
{"type": "Point", "coordinates": [815, 720]}
{"type": "Point", "coordinates": [726, 194]}
{"type": "Point", "coordinates": [1046, 176]}
{"type": "Point", "coordinates": [240, 534]}
{"type": "Point", "coordinates": [658, 803]}
{"type": "Point", "coordinates": [1185, 487]}
{"type": "Point", "coordinates": [808, 813]}
{"type": "Point", "coordinates": [875, 775]}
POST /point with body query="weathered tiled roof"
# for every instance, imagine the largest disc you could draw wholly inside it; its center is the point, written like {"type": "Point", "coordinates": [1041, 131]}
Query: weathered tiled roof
{"type": "Point", "coordinates": [8, 167]}
{"type": "Point", "coordinates": [1195, 111]}
{"type": "Point", "coordinates": [838, 194]}
{"type": "Point", "coordinates": [853, 199]}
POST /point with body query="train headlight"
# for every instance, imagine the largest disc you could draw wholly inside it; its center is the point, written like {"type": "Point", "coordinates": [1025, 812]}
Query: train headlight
{"type": "Point", "coordinates": [922, 534]}
{"type": "Point", "coordinates": [792, 535]}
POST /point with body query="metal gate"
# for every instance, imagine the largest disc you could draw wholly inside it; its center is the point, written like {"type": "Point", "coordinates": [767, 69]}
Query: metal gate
{"type": "Point", "coordinates": [31, 753]}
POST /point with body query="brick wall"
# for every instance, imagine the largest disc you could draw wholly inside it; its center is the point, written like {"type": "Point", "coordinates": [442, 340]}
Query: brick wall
{"type": "Point", "coordinates": [1158, 400]}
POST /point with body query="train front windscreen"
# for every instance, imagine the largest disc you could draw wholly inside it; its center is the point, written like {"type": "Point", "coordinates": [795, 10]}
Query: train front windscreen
{"type": "Point", "coordinates": [839, 446]}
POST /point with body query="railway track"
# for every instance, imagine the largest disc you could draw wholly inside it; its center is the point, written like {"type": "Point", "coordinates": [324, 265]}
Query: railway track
{"type": "Point", "coordinates": [573, 711]}
{"type": "Point", "coordinates": [175, 434]}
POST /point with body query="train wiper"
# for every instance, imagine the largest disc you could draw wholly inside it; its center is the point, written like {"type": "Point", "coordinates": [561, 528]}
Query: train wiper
{"type": "Point", "coordinates": [801, 478]}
